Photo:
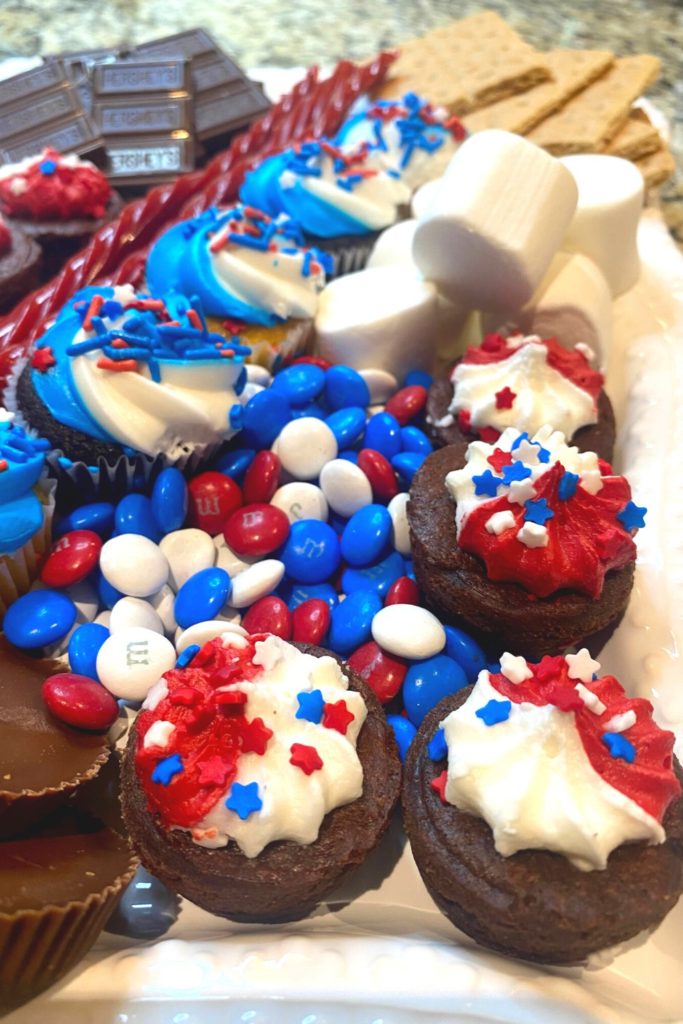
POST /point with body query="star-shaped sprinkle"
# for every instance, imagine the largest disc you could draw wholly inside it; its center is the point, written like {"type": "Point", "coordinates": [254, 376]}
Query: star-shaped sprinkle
{"type": "Point", "coordinates": [255, 736]}
{"type": "Point", "coordinates": [438, 748]}
{"type": "Point", "coordinates": [620, 723]}
{"type": "Point", "coordinates": [538, 512]}
{"type": "Point", "coordinates": [499, 459]}
{"type": "Point", "coordinates": [533, 536]}
{"type": "Point", "coordinates": [244, 800]}
{"type": "Point", "coordinates": [543, 454]}
{"type": "Point", "coordinates": [42, 359]}
{"type": "Point", "coordinates": [591, 700]}
{"type": "Point", "coordinates": [310, 706]}
{"type": "Point", "coordinates": [526, 451]}
{"type": "Point", "coordinates": [581, 666]}
{"type": "Point", "coordinates": [305, 757]}
{"type": "Point", "coordinates": [519, 441]}
{"type": "Point", "coordinates": [619, 746]}
{"type": "Point", "coordinates": [439, 786]}
{"type": "Point", "coordinates": [185, 696]}
{"type": "Point", "coordinates": [632, 516]}
{"type": "Point", "coordinates": [494, 712]}
{"type": "Point", "coordinates": [563, 697]}
{"type": "Point", "coordinates": [486, 483]}
{"type": "Point", "coordinates": [230, 698]}
{"type": "Point", "coordinates": [515, 669]}
{"type": "Point", "coordinates": [515, 471]}
{"type": "Point", "coordinates": [167, 769]}
{"type": "Point", "coordinates": [47, 167]}
{"type": "Point", "coordinates": [489, 434]}
{"type": "Point", "coordinates": [185, 657]}
{"type": "Point", "coordinates": [499, 522]}
{"type": "Point", "coordinates": [337, 716]}
{"type": "Point", "coordinates": [521, 491]}
{"type": "Point", "coordinates": [505, 398]}
{"type": "Point", "coordinates": [214, 771]}
{"type": "Point", "coordinates": [566, 488]}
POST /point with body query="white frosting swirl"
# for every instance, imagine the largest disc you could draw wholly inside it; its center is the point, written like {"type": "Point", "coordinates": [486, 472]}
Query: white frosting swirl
{"type": "Point", "coordinates": [542, 393]}
{"type": "Point", "coordinates": [424, 165]}
{"type": "Point", "coordinates": [531, 780]}
{"type": "Point", "coordinates": [294, 804]}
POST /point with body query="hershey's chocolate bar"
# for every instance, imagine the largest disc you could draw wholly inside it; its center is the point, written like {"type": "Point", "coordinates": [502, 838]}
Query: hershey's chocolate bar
{"type": "Point", "coordinates": [225, 100]}
{"type": "Point", "coordinates": [149, 160]}
{"type": "Point", "coordinates": [41, 107]}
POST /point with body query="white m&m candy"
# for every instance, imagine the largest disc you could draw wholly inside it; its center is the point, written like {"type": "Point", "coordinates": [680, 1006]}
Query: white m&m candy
{"type": "Point", "coordinates": [132, 661]}
{"type": "Point", "coordinates": [133, 565]}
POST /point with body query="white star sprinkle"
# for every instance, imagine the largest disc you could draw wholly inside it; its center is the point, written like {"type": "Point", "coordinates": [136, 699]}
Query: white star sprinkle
{"type": "Point", "coordinates": [526, 452]}
{"type": "Point", "coordinates": [499, 522]}
{"type": "Point", "coordinates": [582, 666]}
{"type": "Point", "coordinates": [533, 535]}
{"type": "Point", "coordinates": [590, 699]}
{"type": "Point", "coordinates": [521, 491]}
{"type": "Point", "coordinates": [515, 669]}
{"type": "Point", "coordinates": [620, 723]}
{"type": "Point", "coordinates": [591, 481]}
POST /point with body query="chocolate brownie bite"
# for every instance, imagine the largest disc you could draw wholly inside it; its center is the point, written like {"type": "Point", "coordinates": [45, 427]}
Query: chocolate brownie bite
{"type": "Point", "coordinates": [19, 265]}
{"type": "Point", "coordinates": [544, 811]}
{"type": "Point", "coordinates": [523, 382]}
{"type": "Point", "coordinates": [258, 776]}
{"type": "Point", "coordinates": [527, 541]}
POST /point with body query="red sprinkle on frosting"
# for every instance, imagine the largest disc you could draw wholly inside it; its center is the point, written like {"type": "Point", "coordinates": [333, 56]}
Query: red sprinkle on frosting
{"type": "Point", "coordinates": [51, 189]}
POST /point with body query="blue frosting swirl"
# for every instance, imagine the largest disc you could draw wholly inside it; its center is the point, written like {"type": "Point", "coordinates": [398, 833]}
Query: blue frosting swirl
{"type": "Point", "coordinates": [22, 459]}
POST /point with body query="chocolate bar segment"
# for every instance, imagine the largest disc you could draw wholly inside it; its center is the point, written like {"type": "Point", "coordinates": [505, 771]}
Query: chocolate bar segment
{"type": "Point", "coordinates": [41, 107]}
{"type": "Point", "coordinates": [225, 100]}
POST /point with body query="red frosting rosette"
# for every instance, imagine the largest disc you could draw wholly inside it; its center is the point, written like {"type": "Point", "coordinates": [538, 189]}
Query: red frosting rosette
{"type": "Point", "coordinates": [53, 188]}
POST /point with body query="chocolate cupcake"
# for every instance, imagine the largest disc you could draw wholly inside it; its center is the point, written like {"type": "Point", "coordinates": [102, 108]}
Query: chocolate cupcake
{"type": "Point", "coordinates": [522, 382]}
{"type": "Point", "coordinates": [253, 274]}
{"type": "Point", "coordinates": [58, 201]}
{"type": "Point", "coordinates": [544, 812]}
{"type": "Point", "coordinates": [59, 883]}
{"type": "Point", "coordinates": [123, 385]}
{"type": "Point", "coordinates": [19, 265]}
{"type": "Point", "coordinates": [342, 200]}
{"type": "Point", "coordinates": [528, 541]}
{"type": "Point", "coordinates": [45, 763]}
{"type": "Point", "coordinates": [257, 777]}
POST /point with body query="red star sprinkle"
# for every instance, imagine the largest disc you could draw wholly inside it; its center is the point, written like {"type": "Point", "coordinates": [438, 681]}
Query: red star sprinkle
{"type": "Point", "coordinates": [42, 359]}
{"type": "Point", "coordinates": [564, 697]}
{"type": "Point", "coordinates": [465, 421]}
{"type": "Point", "coordinates": [505, 398]}
{"type": "Point", "coordinates": [546, 671]}
{"type": "Point", "coordinates": [499, 459]}
{"type": "Point", "coordinates": [337, 716]}
{"type": "Point", "coordinates": [489, 435]}
{"type": "Point", "coordinates": [185, 696]}
{"type": "Point", "coordinates": [305, 757]}
{"type": "Point", "coordinates": [226, 698]}
{"type": "Point", "coordinates": [439, 785]}
{"type": "Point", "coordinates": [214, 771]}
{"type": "Point", "coordinates": [255, 736]}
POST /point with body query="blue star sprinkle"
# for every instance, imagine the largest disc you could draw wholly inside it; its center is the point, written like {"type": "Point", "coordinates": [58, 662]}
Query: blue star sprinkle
{"type": "Point", "coordinates": [494, 712]}
{"type": "Point", "coordinates": [437, 748]}
{"type": "Point", "coordinates": [186, 656]}
{"type": "Point", "coordinates": [244, 800]}
{"type": "Point", "coordinates": [515, 471]}
{"type": "Point", "coordinates": [47, 167]}
{"type": "Point", "coordinates": [632, 517]}
{"type": "Point", "coordinates": [619, 746]}
{"type": "Point", "coordinates": [310, 706]}
{"type": "Point", "coordinates": [522, 437]}
{"type": "Point", "coordinates": [486, 483]}
{"type": "Point", "coordinates": [566, 488]}
{"type": "Point", "coordinates": [543, 454]}
{"type": "Point", "coordinates": [537, 511]}
{"type": "Point", "coordinates": [167, 769]}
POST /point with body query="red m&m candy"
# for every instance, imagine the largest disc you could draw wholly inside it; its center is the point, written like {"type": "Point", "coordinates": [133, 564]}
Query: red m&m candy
{"type": "Point", "coordinates": [403, 591]}
{"type": "Point", "coordinates": [384, 673]}
{"type": "Point", "coordinates": [407, 403]}
{"type": "Point", "coordinates": [256, 530]}
{"type": "Point", "coordinates": [269, 615]}
{"type": "Point", "coordinates": [379, 472]}
{"type": "Point", "coordinates": [79, 701]}
{"type": "Point", "coordinates": [71, 558]}
{"type": "Point", "coordinates": [213, 497]}
{"type": "Point", "coordinates": [311, 621]}
{"type": "Point", "coordinates": [262, 478]}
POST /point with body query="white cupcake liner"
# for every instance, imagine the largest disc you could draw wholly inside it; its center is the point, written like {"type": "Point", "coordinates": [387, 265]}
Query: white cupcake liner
{"type": "Point", "coordinates": [19, 570]}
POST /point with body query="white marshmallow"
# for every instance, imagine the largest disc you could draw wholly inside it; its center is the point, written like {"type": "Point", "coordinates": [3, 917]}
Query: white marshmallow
{"type": "Point", "coordinates": [425, 197]}
{"type": "Point", "coordinates": [495, 224]}
{"type": "Point", "coordinates": [394, 246]}
{"type": "Point", "coordinates": [605, 223]}
{"type": "Point", "coordinates": [383, 318]}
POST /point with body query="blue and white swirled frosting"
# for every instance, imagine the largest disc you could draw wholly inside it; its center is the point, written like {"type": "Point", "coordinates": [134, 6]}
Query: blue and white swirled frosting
{"type": "Point", "coordinates": [242, 264]}
{"type": "Point", "coordinates": [140, 372]}
{"type": "Point", "coordinates": [327, 191]}
{"type": "Point", "coordinates": [407, 134]}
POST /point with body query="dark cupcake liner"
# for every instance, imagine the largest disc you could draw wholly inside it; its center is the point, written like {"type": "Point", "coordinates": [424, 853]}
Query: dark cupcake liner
{"type": "Point", "coordinates": [349, 253]}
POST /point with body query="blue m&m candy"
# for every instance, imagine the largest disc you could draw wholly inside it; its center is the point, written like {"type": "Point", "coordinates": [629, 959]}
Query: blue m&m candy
{"type": "Point", "coordinates": [383, 433]}
{"type": "Point", "coordinates": [134, 514]}
{"type": "Point", "coordinates": [404, 733]}
{"type": "Point", "coordinates": [347, 424]}
{"type": "Point", "coordinates": [201, 597]}
{"type": "Point", "coordinates": [311, 552]}
{"type": "Point", "coordinates": [352, 620]}
{"type": "Point", "coordinates": [235, 463]}
{"type": "Point", "coordinates": [97, 516]}
{"type": "Point", "coordinates": [407, 464]}
{"type": "Point", "coordinates": [300, 384]}
{"type": "Point", "coordinates": [39, 618]}
{"type": "Point", "coordinates": [366, 534]}
{"type": "Point", "coordinates": [466, 651]}
{"type": "Point", "coordinates": [265, 414]}
{"type": "Point", "coordinates": [84, 646]}
{"type": "Point", "coordinates": [294, 594]}
{"type": "Point", "coordinates": [344, 387]}
{"type": "Point", "coordinates": [428, 682]}
{"type": "Point", "coordinates": [146, 910]}
{"type": "Point", "coordinates": [419, 377]}
{"type": "Point", "coordinates": [377, 577]}
{"type": "Point", "coordinates": [169, 500]}
{"type": "Point", "coordinates": [415, 440]}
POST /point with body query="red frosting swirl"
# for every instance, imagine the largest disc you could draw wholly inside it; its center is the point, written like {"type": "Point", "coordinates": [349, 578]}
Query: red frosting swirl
{"type": "Point", "coordinates": [649, 779]}
{"type": "Point", "coordinates": [212, 729]}
{"type": "Point", "coordinates": [585, 539]}
{"type": "Point", "coordinates": [571, 363]}
{"type": "Point", "coordinates": [5, 238]}
{"type": "Point", "coordinates": [50, 189]}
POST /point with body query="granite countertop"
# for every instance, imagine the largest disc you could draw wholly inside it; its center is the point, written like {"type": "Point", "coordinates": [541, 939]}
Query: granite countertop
{"type": "Point", "coordinates": [272, 32]}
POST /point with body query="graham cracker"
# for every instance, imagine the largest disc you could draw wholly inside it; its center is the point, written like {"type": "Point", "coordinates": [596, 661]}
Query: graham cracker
{"type": "Point", "coordinates": [572, 71]}
{"type": "Point", "coordinates": [466, 64]}
{"type": "Point", "coordinates": [657, 167]}
{"type": "Point", "coordinates": [588, 122]}
{"type": "Point", "coordinates": [636, 139]}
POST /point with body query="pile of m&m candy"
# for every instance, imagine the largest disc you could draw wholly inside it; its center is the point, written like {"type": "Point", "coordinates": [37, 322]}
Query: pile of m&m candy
{"type": "Point", "coordinates": [299, 530]}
